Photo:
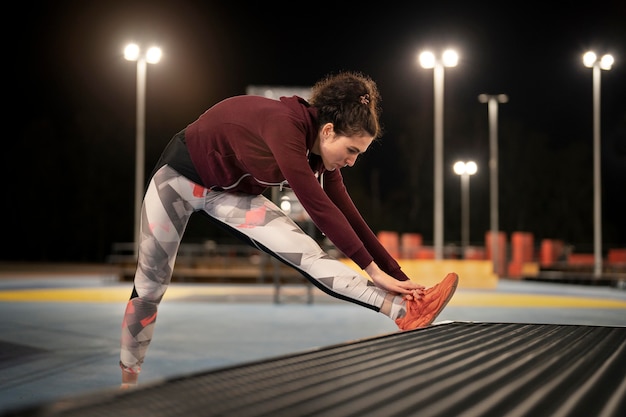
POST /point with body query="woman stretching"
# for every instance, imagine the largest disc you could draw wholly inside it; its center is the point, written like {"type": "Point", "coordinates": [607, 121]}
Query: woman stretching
{"type": "Point", "coordinates": [222, 163]}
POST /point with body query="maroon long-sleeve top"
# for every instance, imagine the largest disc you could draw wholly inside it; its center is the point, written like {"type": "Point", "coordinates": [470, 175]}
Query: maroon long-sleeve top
{"type": "Point", "coordinates": [249, 143]}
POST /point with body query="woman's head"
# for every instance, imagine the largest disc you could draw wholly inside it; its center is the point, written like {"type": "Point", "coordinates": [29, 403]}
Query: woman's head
{"type": "Point", "coordinates": [350, 101]}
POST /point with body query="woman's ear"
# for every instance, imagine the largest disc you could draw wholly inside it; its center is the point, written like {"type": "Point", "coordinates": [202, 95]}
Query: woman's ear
{"type": "Point", "coordinates": [327, 130]}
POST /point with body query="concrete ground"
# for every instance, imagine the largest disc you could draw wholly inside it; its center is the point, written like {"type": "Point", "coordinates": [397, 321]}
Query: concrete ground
{"type": "Point", "coordinates": [59, 332]}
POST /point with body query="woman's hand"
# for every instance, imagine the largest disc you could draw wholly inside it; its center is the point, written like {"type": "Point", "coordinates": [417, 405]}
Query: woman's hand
{"type": "Point", "coordinates": [409, 289]}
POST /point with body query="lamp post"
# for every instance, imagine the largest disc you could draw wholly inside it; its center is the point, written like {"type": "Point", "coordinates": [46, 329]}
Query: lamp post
{"type": "Point", "coordinates": [427, 59]}
{"type": "Point", "coordinates": [590, 60]}
{"type": "Point", "coordinates": [132, 52]}
{"type": "Point", "coordinates": [465, 170]}
{"type": "Point", "coordinates": [492, 101]}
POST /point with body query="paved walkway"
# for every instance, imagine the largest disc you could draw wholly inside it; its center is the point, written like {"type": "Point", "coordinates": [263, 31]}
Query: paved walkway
{"type": "Point", "coordinates": [59, 333]}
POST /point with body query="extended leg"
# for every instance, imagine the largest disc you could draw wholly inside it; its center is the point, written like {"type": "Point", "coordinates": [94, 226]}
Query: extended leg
{"type": "Point", "coordinates": [261, 223]}
{"type": "Point", "coordinates": [168, 204]}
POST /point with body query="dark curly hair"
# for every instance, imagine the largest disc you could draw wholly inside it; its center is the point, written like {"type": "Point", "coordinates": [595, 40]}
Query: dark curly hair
{"type": "Point", "coordinates": [350, 101]}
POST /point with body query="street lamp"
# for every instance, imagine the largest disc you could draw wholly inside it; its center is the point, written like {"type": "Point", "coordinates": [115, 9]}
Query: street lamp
{"type": "Point", "coordinates": [492, 101]}
{"type": "Point", "coordinates": [465, 170]}
{"type": "Point", "coordinates": [132, 52]}
{"type": "Point", "coordinates": [590, 60]}
{"type": "Point", "coordinates": [427, 59]}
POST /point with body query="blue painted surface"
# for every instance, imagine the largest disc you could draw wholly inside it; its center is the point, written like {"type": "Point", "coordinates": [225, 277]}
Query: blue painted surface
{"type": "Point", "coordinates": [71, 348]}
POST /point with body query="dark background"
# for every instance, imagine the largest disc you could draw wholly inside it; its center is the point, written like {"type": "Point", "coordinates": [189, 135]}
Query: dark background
{"type": "Point", "coordinates": [68, 158]}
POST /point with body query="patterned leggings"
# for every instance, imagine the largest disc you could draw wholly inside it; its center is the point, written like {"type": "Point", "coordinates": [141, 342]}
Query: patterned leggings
{"type": "Point", "coordinates": [169, 202]}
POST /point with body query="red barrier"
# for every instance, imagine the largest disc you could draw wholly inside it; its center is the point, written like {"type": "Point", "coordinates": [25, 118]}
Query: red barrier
{"type": "Point", "coordinates": [616, 256]}
{"type": "Point", "coordinates": [521, 252]}
{"type": "Point", "coordinates": [581, 259]}
{"type": "Point", "coordinates": [550, 252]}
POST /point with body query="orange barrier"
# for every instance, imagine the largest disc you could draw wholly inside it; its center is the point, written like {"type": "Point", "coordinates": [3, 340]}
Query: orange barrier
{"type": "Point", "coordinates": [475, 253]}
{"type": "Point", "coordinates": [390, 241]}
{"type": "Point", "coordinates": [500, 267]}
{"type": "Point", "coordinates": [410, 245]}
{"type": "Point", "coordinates": [426, 253]}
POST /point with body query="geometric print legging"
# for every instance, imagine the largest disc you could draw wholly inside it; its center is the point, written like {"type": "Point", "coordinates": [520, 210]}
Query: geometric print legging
{"type": "Point", "coordinates": [169, 202]}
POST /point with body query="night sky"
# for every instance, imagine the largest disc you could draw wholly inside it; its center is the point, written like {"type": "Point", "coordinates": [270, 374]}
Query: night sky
{"type": "Point", "coordinates": [68, 173]}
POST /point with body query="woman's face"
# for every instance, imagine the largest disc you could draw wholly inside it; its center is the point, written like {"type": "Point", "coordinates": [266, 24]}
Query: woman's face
{"type": "Point", "coordinates": [339, 151]}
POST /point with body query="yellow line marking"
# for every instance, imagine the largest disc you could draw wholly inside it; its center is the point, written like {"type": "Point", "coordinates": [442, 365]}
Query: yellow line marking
{"type": "Point", "coordinates": [463, 299]}
{"type": "Point", "coordinates": [113, 294]}
{"type": "Point", "coordinates": [460, 299]}
{"type": "Point", "coordinates": [90, 295]}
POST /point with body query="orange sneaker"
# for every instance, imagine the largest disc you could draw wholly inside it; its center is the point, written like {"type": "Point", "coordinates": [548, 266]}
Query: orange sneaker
{"type": "Point", "coordinates": [421, 313]}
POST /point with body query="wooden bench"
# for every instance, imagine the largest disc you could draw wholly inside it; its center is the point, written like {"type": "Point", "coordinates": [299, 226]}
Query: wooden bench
{"type": "Point", "coordinates": [212, 263]}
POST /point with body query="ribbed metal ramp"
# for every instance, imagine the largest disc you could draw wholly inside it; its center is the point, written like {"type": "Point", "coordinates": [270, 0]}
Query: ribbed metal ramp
{"type": "Point", "coordinates": [450, 369]}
